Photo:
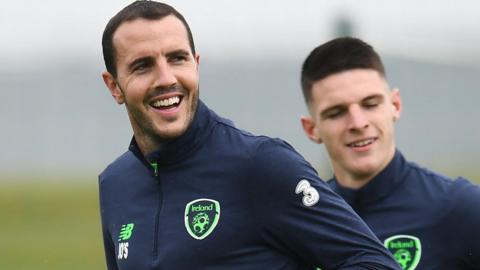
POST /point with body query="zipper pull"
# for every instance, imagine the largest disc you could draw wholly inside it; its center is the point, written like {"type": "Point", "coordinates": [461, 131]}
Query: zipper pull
{"type": "Point", "coordinates": [155, 168]}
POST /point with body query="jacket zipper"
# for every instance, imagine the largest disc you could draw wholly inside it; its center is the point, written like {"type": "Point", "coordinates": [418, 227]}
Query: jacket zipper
{"type": "Point", "coordinates": [154, 166]}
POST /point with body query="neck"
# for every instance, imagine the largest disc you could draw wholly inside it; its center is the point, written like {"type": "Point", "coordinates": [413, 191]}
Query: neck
{"type": "Point", "coordinates": [147, 145]}
{"type": "Point", "coordinates": [356, 179]}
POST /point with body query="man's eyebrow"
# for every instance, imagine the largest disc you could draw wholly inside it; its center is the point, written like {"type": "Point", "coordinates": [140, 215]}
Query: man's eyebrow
{"type": "Point", "coordinates": [180, 52]}
{"type": "Point", "coordinates": [374, 96]}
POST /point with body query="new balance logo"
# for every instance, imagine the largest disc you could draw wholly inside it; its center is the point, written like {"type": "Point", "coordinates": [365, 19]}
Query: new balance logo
{"type": "Point", "coordinates": [125, 234]}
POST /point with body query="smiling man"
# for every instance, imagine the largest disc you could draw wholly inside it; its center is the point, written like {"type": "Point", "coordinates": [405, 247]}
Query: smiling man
{"type": "Point", "coordinates": [195, 192]}
{"type": "Point", "coordinates": [425, 219]}
{"type": "Point", "coordinates": [148, 54]}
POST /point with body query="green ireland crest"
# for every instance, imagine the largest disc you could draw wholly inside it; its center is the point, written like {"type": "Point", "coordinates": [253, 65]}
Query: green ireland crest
{"type": "Point", "coordinates": [406, 250]}
{"type": "Point", "coordinates": [201, 217]}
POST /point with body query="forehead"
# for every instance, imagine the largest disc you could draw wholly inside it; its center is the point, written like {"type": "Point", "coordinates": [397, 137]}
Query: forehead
{"type": "Point", "coordinates": [349, 86]}
{"type": "Point", "coordinates": [139, 35]}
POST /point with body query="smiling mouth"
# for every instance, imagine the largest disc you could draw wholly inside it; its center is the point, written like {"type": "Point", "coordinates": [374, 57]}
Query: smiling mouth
{"type": "Point", "coordinates": [362, 143]}
{"type": "Point", "coordinates": [167, 103]}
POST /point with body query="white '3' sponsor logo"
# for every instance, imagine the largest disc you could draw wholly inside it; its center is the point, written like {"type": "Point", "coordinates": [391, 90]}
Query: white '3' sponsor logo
{"type": "Point", "coordinates": [310, 194]}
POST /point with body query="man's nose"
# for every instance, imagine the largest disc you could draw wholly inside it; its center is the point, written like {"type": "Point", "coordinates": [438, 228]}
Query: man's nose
{"type": "Point", "coordinates": [357, 118]}
{"type": "Point", "coordinates": [165, 76]}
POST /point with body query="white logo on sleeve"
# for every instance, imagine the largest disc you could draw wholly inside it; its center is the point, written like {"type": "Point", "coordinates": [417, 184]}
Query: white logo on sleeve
{"type": "Point", "coordinates": [310, 194]}
{"type": "Point", "coordinates": [123, 250]}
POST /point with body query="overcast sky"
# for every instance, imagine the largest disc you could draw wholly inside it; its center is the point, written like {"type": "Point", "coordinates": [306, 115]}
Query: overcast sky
{"type": "Point", "coordinates": [33, 31]}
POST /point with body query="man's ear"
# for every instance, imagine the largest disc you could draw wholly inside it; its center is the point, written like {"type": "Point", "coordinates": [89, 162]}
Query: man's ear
{"type": "Point", "coordinates": [310, 128]}
{"type": "Point", "coordinates": [197, 59]}
{"type": "Point", "coordinates": [396, 101]}
{"type": "Point", "coordinates": [114, 88]}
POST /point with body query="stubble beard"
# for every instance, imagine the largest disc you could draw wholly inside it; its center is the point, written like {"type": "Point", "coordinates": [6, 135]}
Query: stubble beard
{"type": "Point", "coordinates": [144, 128]}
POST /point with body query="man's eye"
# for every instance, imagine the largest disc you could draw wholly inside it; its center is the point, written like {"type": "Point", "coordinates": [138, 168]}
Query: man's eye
{"type": "Point", "coordinates": [177, 59]}
{"type": "Point", "coordinates": [141, 67]}
{"type": "Point", "coordinates": [334, 114]}
{"type": "Point", "coordinates": [370, 104]}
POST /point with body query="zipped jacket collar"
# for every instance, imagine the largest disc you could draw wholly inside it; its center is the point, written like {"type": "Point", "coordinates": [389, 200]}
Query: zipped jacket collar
{"type": "Point", "coordinates": [179, 148]}
{"type": "Point", "coordinates": [379, 187]}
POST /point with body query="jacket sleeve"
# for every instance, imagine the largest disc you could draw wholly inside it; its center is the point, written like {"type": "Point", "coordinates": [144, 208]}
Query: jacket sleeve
{"type": "Point", "coordinates": [301, 216]}
{"type": "Point", "coordinates": [107, 240]}
{"type": "Point", "coordinates": [109, 251]}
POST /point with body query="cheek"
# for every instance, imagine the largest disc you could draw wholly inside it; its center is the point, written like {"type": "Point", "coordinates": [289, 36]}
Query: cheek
{"type": "Point", "coordinates": [334, 149]}
{"type": "Point", "coordinates": [388, 124]}
{"type": "Point", "coordinates": [330, 132]}
{"type": "Point", "coordinates": [381, 119]}
{"type": "Point", "coordinates": [136, 89]}
{"type": "Point", "coordinates": [332, 140]}
{"type": "Point", "coordinates": [189, 79]}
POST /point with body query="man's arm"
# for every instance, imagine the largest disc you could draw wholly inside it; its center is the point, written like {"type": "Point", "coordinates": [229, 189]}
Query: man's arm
{"type": "Point", "coordinates": [301, 216]}
{"type": "Point", "coordinates": [107, 240]}
{"type": "Point", "coordinates": [109, 251]}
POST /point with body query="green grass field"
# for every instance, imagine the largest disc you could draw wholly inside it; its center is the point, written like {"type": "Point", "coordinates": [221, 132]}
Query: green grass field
{"type": "Point", "coordinates": [50, 224]}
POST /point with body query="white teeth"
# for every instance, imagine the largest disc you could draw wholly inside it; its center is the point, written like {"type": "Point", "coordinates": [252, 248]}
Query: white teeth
{"type": "Point", "coordinates": [167, 102]}
{"type": "Point", "coordinates": [362, 143]}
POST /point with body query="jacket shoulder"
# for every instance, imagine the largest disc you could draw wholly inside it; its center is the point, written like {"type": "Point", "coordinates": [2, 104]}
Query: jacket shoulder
{"type": "Point", "coordinates": [118, 166]}
{"type": "Point", "coordinates": [433, 180]}
{"type": "Point", "coordinates": [466, 196]}
{"type": "Point", "coordinates": [460, 196]}
{"type": "Point", "coordinates": [231, 136]}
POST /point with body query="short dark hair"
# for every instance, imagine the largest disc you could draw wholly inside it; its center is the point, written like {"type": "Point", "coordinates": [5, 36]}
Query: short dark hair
{"type": "Point", "coordinates": [337, 55]}
{"type": "Point", "coordinates": [149, 10]}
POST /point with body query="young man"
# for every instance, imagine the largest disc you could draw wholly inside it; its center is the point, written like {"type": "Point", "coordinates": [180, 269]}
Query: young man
{"type": "Point", "coordinates": [426, 220]}
{"type": "Point", "coordinates": [193, 191]}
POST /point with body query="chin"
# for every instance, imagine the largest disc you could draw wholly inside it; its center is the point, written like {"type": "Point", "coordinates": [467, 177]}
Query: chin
{"type": "Point", "coordinates": [171, 132]}
{"type": "Point", "coordinates": [365, 168]}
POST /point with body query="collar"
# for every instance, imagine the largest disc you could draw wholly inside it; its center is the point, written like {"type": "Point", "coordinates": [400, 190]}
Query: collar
{"type": "Point", "coordinates": [181, 147]}
{"type": "Point", "coordinates": [379, 187]}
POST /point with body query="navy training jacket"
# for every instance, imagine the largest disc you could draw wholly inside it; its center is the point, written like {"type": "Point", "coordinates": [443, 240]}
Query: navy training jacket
{"type": "Point", "coordinates": [426, 220]}
{"type": "Point", "coordinates": [221, 198]}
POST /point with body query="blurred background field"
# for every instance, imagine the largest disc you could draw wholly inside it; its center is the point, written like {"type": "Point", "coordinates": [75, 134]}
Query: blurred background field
{"type": "Point", "coordinates": [60, 127]}
{"type": "Point", "coordinates": [51, 222]}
